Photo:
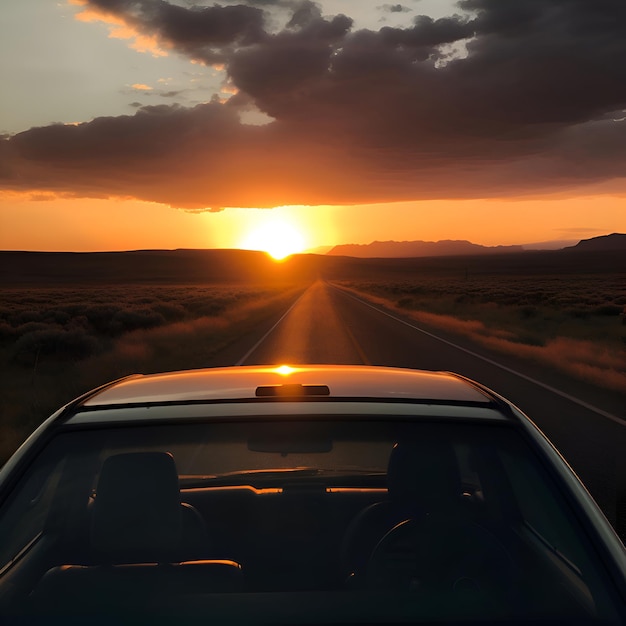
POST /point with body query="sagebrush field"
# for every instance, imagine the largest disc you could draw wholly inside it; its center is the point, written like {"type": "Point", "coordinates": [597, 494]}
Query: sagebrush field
{"type": "Point", "coordinates": [574, 323]}
{"type": "Point", "coordinates": [56, 343]}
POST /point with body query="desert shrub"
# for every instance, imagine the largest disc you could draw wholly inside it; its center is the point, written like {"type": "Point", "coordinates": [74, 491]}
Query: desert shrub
{"type": "Point", "coordinates": [57, 316]}
{"type": "Point", "coordinates": [7, 332]}
{"type": "Point", "coordinates": [608, 309]}
{"type": "Point", "coordinates": [74, 309]}
{"type": "Point", "coordinates": [170, 312]}
{"type": "Point", "coordinates": [208, 308]}
{"type": "Point", "coordinates": [578, 313]}
{"type": "Point", "coordinates": [100, 317]}
{"type": "Point", "coordinates": [215, 302]}
{"type": "Point", "coordinates": [62, 344]}
{"type": "Point", "coordinates": [529, 338]}
{"type": "Point", "coordinates": [405, 302]}
{"type": "Point", "coordinates": [526, 312]}
{"type": "Point", "coordinates": [144, 300]}
{"type": "Point", "coordinates": [127, 320]}
{"type": "Point", "coordinates": [78, 321]}
{"type": "Point", "coordinates": [31, 327]}
{"type": "Point", "coordinates": [26, 316]}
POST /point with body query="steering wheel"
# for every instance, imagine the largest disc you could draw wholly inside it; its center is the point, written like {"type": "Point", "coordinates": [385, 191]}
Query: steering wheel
{"type": "Point", "coordinates": [441, 555]}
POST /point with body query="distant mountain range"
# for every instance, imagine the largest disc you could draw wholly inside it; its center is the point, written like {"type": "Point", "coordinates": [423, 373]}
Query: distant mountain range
{"type": "Point", "coordinates": [614, 242]}
{"type": "Point", "coordinates": [411, 249]}
{"type": "Point", "coordinates": [406, 249]}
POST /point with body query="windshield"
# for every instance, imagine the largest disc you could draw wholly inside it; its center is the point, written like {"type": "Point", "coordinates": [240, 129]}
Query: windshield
{"type": "Point", "coordinates": [408, 520]}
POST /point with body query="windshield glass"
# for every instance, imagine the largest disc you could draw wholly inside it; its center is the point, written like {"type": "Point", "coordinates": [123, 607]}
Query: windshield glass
{"type": "Point", "coordinates": [408, 520]}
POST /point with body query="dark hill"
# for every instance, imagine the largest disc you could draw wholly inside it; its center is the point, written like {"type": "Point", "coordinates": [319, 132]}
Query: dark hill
{"type": "Point", "coordinates": [614, 242]}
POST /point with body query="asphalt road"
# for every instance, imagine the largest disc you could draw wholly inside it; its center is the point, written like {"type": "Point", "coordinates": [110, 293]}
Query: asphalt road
{"type": "Point", "coordinates": [328, 325]}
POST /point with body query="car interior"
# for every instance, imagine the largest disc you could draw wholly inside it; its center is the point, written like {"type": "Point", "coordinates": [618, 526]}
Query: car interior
{"type": "Point", "coordinates": [369, 521]}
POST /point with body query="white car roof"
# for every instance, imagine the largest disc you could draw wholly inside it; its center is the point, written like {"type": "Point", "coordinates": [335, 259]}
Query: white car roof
{"type": "Point", "coordinates": [232, 383]}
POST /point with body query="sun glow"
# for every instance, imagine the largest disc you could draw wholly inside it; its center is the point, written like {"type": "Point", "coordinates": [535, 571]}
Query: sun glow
{"type": "Point", "coordinates": [278, 238]}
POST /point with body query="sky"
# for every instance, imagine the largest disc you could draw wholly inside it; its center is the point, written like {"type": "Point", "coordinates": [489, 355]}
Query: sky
{"type": "Point", "coordinates": [133, 124]}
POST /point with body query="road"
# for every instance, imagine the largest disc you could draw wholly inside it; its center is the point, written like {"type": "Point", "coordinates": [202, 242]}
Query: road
{"type": "Point", "coordinates": [328, 325]}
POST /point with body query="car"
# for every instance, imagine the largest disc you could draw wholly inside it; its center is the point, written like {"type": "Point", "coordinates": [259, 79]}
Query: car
{"type": "Point", "coordinates": [301, 495]}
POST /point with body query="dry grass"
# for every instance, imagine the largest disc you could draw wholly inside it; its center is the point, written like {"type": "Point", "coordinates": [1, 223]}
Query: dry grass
{"type": "Point", "coordinates": [58, 343]}
{"type": "Point", "coordinates": [575, 324]}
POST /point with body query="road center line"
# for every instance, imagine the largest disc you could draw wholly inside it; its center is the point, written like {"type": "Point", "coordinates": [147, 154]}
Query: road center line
{"type": "Point", "coordinates": [530, 379]}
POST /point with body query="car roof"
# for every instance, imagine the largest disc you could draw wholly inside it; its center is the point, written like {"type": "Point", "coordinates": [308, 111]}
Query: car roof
{"type": "Point", "coordinates": [334, 382]}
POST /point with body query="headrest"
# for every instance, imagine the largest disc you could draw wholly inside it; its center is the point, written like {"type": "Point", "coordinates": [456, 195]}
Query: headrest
{"type": "Point", "coordinates": [425, 473]}
{"type": "Point", "coordinates": [137, 507]}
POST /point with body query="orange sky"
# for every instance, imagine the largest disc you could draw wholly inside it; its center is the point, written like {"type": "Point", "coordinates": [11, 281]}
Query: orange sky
{"type": "Point", "coordinates": [361, 120]}
{"type": "Point", "coordinates": [87, 224]}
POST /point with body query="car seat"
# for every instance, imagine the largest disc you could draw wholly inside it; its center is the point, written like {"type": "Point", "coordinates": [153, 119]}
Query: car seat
{"type": "Point", "coordinates": [422, 480]}
{"type": "Point", "coordinates": [140, 542]}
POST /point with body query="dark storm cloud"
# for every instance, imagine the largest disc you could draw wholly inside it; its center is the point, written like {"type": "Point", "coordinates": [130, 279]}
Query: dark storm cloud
{"type": "Point", "coordinates": [204, 33]}
{"type": "Point", "coordinates": [508, 98]}
{"type": "Point", "coordinates": [550, 62]}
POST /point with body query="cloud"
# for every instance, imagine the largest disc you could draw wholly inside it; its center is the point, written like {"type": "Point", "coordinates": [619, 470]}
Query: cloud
{"type": "Point", "coordinates": [581, 230]}
{"type": "Point", "coordinates": [394, 8]}
{"type": "Point", "coordinates": [203, 33]}
{"type": "Point", "coordinates": [536, 105]}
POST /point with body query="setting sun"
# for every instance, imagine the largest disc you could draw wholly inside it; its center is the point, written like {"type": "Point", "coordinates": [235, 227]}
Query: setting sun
{"type": "Point", "coordinates": [278, 238]}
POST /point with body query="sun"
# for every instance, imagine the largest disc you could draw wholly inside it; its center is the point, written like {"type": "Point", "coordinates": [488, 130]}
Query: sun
{"type": "Point", "coordinates": [277, 237]}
